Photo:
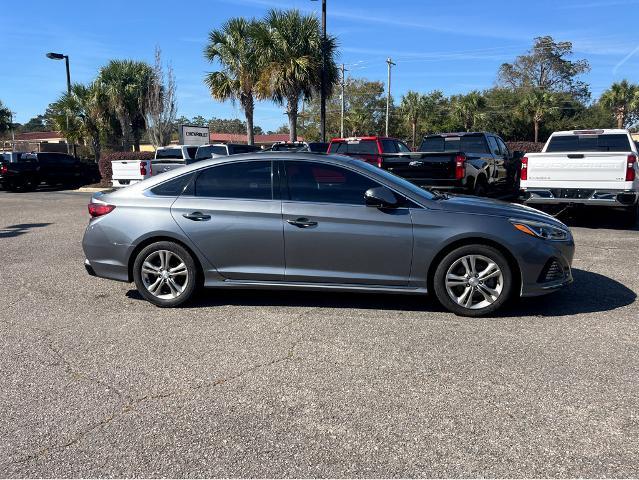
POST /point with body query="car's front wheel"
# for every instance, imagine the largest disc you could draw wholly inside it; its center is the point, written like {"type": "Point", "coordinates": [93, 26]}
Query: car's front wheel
{"type": "Point", "coordinates": [473, 280]}
{"type": "Point", "coordinates": [165, 274]}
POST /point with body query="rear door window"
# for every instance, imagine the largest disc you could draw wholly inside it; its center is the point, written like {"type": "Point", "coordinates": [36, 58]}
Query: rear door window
{"type": "Point", "coordinates": [241, 180]}
{"type": "Point", "coordinates": [589, 143]}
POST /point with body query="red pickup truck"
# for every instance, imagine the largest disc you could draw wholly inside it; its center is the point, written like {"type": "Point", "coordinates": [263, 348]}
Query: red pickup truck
{"type": "Point", "coordinates": [369, 149]}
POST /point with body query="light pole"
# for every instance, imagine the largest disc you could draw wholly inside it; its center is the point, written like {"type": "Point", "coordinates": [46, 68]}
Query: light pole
{"type": "Point", "coordinates": [60, 56]}
{"type": "Point", "coordinates": [324, 80]}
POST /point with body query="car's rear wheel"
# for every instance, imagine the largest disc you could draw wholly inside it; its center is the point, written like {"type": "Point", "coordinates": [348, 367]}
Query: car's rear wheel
{"type": "Point", "coordinates": [165, 274]}
{"type": "Point", "coordinates": [473, 280]}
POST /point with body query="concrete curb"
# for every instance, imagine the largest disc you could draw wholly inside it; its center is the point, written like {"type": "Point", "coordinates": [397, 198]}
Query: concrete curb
{"type": "Point", "coordinates": [92, 189]}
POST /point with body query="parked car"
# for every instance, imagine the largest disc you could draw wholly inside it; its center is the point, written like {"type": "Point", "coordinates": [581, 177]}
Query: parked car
{"type": "Point", "coordinates": [369, 149]}
{"type": "Point", "coordinates": [584, 167]}
{"type": "Point", "coordinates": [27, 171]}
{"type": "Point", "coordinates": [208, 151]}
{"type": "Point", "coordinates": [128, 172]}
{"type": "Point", "coordinates": [477, 163]}
{"type": "Point", "coordinates": [337, 224]}
{"type": "Point", "coordinates": [312, 147]}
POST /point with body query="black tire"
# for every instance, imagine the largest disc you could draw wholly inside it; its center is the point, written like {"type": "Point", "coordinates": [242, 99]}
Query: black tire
{"type": "Point", "coordinates": [483, 252]}
{"type": "Point", "coordinates": [480, 189]}
{"type": "Point", "coordinates": [142, 280]}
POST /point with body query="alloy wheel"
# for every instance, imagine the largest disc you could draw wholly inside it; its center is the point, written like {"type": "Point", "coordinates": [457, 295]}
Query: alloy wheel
{"type": "Point", "coordinates": [164, 274]}
{"type": "Point", "coordinates": [474, 281]}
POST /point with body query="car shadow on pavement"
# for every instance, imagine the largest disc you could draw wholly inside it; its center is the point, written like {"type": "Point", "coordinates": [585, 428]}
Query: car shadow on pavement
{"type": "Point", "coordinates": [590, 292]}
{"type": "Point", "coordinates": [19, 229]}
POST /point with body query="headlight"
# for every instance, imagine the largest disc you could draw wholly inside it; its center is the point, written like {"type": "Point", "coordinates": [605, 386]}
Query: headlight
{"type": "Point", "coordinates": [540, 229]}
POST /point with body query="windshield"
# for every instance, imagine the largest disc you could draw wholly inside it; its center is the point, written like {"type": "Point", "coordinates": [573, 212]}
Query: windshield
{"type": "Point", "coordinates": [169, 154]}
{"type": "Point", "coordinates": [206, 152]}
{"type": "Point", "coordinates": [464, 143]}
{"type": "Point", "coordinates": [589, 143]}
{"type": "Point", "coordinates": [402, 182]}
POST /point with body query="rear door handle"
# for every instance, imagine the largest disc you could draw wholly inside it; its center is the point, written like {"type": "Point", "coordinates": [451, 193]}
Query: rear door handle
{"type": "Point", "coordinates": [197, 216]}
{"type": "Point", "coordinates": [302, 223]}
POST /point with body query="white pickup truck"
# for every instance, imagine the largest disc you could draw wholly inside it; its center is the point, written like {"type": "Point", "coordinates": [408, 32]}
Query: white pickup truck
{"type": "Point", "coordinates": [584, 167]}
{"type": "Point", "coordinates": [128, 172]}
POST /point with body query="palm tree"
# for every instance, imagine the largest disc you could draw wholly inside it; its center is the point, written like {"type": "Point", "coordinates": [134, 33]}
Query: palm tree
{"type": "Point", "coordinates": [536, 105]}
{"type": "Point", "coordinates": [622, 100]}
{"type": "Point", "coordinates": [468, 109]}
{"type": "Point", "coordinates": [413, 107]}
{"type": "Point", "coordinates": [86, 107]}
{"type": "Point", "coordinates": [5, 118]}
{"type": "Point", "coordinates": [292, 46]}
{"type": "Point", "coordinates": [234, 47]}
{"type": "Point", "coordinates": [125, 84]}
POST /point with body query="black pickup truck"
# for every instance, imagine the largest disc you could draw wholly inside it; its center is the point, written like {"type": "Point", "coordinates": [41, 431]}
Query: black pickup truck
{"type": "Point", "coordinates": [26, 171]}
{"type": "Point", "coordinates": [471, 162]}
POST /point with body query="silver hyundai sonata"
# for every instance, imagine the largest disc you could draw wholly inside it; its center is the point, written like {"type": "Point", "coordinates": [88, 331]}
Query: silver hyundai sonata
{"type": "Point", "coordinates": [295, 220]}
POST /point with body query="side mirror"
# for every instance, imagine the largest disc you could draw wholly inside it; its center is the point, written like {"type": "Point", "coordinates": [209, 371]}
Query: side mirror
{"type": "Point", "coordinates": [381, 197]}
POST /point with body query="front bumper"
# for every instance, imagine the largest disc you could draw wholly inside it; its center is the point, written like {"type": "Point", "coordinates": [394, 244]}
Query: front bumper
{"type": "Point", "coordinates": [547, 267]}
{"type": "Point", "coordinates": [579, 196]}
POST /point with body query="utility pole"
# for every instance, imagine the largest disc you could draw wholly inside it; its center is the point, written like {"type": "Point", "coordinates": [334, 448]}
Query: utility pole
{"type": "Point", "coordinates": [390, 63]}
{"type": "Point", "coordinates": [341, 127]}
{"type": "Point", "coordinates": [324, 76]}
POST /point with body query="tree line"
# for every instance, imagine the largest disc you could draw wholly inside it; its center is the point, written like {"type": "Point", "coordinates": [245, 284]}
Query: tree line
{"type": "Point", "coordinates": [279, 58]}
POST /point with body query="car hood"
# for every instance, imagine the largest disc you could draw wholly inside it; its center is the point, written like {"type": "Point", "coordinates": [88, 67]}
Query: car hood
{"type": "Point", "coordinates": [487, 206]}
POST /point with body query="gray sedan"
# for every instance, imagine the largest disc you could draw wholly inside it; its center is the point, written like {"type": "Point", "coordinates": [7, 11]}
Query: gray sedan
{"type": "Point", "coordinates": [294, 220]}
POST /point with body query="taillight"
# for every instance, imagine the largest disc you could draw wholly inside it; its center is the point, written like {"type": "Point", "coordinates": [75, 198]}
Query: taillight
{"type": "Point", "coordinates": [630, 168]}
{"type": "Point", "coordinates": [3, 169]}
{"type": "Point", "coordinates": [99, 209]}
{"type": "Point", "coordinates": [523, 175]}
{"type": "Point", "coordinates": [460, 168]}
{"type": "Point", "coordinates": [143, 169]}
{"type": "Point", "coordinates": [380, 161]}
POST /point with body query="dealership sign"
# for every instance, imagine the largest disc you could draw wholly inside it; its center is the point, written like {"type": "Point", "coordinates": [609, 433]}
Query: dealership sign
{"type": "Point", "coordinates": [194, 135]}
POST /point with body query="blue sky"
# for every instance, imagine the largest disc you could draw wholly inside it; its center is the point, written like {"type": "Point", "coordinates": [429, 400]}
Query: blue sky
{"type": "Point", "coordinates": [454, 46]}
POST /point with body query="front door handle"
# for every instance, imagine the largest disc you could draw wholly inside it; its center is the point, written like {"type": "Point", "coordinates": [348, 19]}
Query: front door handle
{"type": "Point", "coordinates": [197, 216]}
{"type": "Point", "coordinates": [302, 222]}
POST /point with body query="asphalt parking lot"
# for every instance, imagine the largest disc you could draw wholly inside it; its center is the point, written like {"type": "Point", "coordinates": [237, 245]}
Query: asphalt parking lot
{"type": "Point", "coordinates": [96, 382]}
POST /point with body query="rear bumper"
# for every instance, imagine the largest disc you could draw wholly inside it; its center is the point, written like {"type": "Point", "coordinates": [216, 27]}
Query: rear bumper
{"type": "Point", "coordinates": [567, 196]}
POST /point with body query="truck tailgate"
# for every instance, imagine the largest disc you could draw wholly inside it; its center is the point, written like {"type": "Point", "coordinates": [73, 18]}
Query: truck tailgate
{"type": "Point", "coordinates": [584, 167]}
{"type": "Point", "coordinates": [126, 170]}
{"type": "Point", "coordinates": [421, 167]}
